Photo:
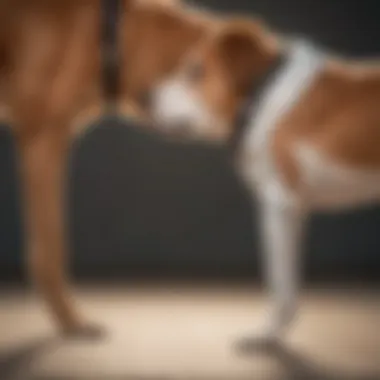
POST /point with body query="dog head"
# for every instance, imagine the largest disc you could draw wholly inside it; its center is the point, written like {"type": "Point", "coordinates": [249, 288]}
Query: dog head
{"type": "Point", "coordinates": [203, 97]}
{"type": "Point", "coordinates": [156, 35]}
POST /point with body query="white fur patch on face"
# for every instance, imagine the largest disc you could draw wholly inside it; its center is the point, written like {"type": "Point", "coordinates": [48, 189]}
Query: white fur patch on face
{"type": "Point", "coordinates": [180, 110]}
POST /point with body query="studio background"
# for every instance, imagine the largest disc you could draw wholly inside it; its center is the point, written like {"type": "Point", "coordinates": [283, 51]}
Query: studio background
{"type": "Point", "coordinates": [143, 206]}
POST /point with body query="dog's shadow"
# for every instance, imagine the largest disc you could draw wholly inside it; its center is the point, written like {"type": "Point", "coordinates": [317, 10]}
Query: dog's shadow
{"type": "Point", "coordinates": [16, 363]}
{"type": "Point", "coordinates": [295, 365]}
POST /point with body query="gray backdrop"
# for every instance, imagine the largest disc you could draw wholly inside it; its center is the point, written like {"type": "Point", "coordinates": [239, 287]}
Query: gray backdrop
{"type": "Point", "coordinates": [140, 205]}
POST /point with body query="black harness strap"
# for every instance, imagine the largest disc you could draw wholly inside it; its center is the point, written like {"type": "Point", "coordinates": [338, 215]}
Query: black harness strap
{"type": "Point", "coordinates": [110, 51]}
{"type": "Point", "coordinates": [250, 107]}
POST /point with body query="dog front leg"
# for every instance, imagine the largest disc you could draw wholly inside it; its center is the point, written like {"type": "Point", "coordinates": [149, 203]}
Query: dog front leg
{"type": "Point", "coordinates": [282, 234]}
{"type": "Point", "coordinates": [282, 224]}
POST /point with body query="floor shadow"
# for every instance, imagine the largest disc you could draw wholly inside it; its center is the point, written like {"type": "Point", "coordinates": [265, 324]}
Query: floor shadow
{"type": "Point", "coordinates": [296, 366]}
{"type": "Point", "coordinates": [15, 364]}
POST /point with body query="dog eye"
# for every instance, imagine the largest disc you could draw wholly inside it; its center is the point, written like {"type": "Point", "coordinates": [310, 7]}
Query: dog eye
{"type": "Point", "coordinates": [195, 72]}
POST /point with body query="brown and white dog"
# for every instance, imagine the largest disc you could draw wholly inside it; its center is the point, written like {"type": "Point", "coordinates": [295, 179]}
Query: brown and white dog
{"type": "Point", "coordinates": [310, 139]}
{"type": "Point", "coordinates": [50, 66]}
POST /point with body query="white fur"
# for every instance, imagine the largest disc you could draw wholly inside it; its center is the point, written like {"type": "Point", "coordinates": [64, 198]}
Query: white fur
{"type": "Point", "coordinates": [180, 110]}
{"type": "Point", "coordinates": [283, 212]}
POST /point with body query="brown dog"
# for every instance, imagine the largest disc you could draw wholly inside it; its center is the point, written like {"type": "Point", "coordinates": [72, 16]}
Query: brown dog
{"type": "Point", "coordinates": [304, 127]}
{"type": "Point", "coordinates": [50, 61]}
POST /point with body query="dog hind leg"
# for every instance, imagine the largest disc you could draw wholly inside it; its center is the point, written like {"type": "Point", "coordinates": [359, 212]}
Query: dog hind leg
{"type": "Point", "coordinates": [51, 69]}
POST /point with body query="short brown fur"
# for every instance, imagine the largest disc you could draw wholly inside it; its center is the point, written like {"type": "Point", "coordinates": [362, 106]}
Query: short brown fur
{"type": "Point", "coordinates": [50, 66]}
{"type": "Point", "coordinates": [339, 115]}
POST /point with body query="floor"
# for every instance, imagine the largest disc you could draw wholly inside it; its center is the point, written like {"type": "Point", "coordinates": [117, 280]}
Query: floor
{"type": "Point", "coordinates": [184, 332]}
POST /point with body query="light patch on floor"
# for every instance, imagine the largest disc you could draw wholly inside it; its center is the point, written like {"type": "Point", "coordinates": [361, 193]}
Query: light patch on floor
{"type": "Point", "coordinates": [190, 333]}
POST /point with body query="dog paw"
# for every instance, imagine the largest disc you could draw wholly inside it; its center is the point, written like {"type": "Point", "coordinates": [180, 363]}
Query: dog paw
{"type": "Point", "coordinates": [261, 338]}
{"type": "Point", "coordinates": [270, 330]}
{"type": "Point", "coordinates": [85, 331]}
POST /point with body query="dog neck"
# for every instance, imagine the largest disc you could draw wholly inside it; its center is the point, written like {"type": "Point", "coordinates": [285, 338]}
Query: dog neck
{"type": "Point", "coordinates": [246, 111]}
{"type": "Point", "coordinates": [278, 89]}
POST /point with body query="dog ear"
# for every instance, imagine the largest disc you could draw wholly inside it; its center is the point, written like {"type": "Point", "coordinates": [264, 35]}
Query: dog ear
{"type": "Point", "coordinates": [242, 48]}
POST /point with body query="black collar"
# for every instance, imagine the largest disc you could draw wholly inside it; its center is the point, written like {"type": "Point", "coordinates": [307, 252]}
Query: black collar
{"type": "Point", "coordinates": [250, 106]}
{"type": "Point", "coordinates": [110, 50]}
